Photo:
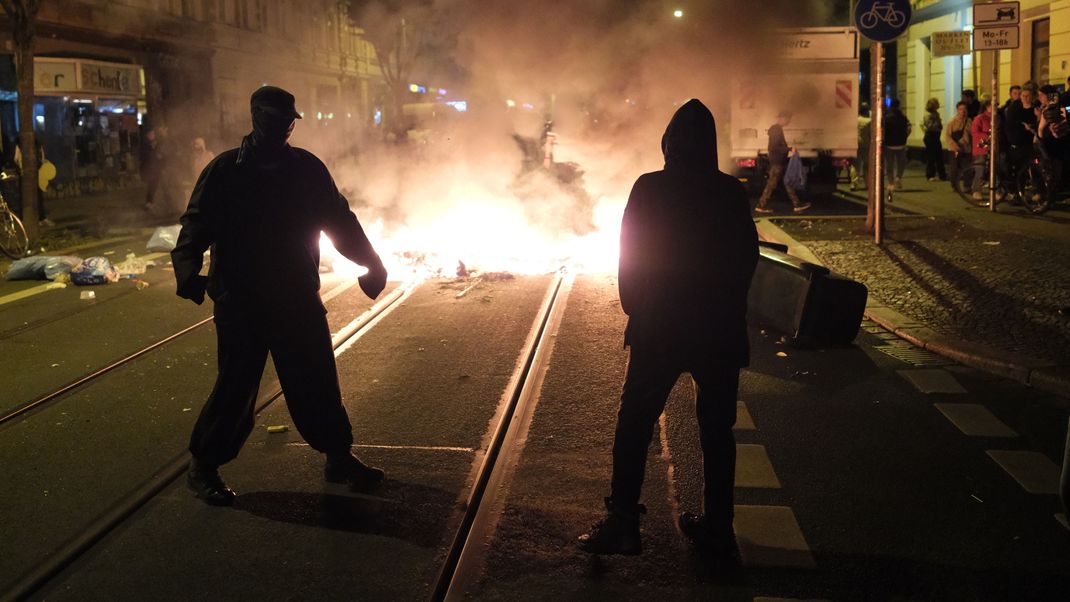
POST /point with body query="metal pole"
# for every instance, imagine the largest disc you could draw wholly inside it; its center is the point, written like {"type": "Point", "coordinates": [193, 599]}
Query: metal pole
{"type": "Point", "coordinates": [876, 57]}
{"type": "Point", "coordinates": [992, 150]}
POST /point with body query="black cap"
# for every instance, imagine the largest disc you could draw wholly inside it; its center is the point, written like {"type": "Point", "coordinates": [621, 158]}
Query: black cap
{"type": "Point", "coordinates": [274, 100]}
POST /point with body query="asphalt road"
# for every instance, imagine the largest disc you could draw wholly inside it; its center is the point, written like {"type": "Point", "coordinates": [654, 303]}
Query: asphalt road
{"type": "Point", "coordinates": [853, 484]}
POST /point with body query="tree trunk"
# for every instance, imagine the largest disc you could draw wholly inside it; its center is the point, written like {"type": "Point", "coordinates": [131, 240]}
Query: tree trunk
{"type": "Point", "coordinates": [24, 42]}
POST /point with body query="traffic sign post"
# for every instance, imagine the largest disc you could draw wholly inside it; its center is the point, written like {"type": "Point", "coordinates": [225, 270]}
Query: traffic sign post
{"type": "Point", "coordinates": [880, 21]}
{"type": "Point", "coordinates": [995, 28]}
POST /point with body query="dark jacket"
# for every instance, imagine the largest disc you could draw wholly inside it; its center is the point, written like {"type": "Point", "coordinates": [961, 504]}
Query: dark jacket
{"type": "Point", "coordinates": [1014, 119]}
{"type": "Point", "coordinates": [263, 225]}
{"type": "Point", "coordinates": [778, 146]}
{"type": "Point", "coordinates": [688, 250]}
{"type": "Point", "coordinates": [896, 128]}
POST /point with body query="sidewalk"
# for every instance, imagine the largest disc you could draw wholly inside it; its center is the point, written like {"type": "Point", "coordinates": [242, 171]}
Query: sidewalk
{"type": "Point", "coordinates": [989, 290]}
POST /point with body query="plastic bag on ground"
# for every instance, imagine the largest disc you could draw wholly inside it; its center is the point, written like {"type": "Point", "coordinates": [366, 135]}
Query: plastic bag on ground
{"type": "Point", "coordinates": [94, 270]}
{"type": "Point", "coordinates": [131, 265]}
{"type": "Point", "coordinates": [164, 238]}
{"type": "Point", "coordinates": [41, 267]}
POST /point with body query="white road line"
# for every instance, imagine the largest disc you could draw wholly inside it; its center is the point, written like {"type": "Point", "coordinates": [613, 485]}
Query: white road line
{"type": "Point", "coordinates": [753, 468]}
{"type": "Point", "coordinates": [466, 450]}
{"type": "Point", "coordinates": [1035, 472]}
{"type": "Point", "coordinates": [744, 421]}
{"type": "Point", "coordinates": [975, 420]}
{"type": "Point", "coordinates": [769, 536]}
{"type": "Point", "coordinates": [933, 380]}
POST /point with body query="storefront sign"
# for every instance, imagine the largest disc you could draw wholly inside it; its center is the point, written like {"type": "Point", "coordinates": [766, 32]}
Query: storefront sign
{"type": "Point", "coordinates": [92, 77]}
{"type": "Point", "coordinates": [950, 43]}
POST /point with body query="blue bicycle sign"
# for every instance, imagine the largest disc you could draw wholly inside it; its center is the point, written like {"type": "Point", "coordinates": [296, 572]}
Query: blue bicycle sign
{"type": "Point", "coordinates": [882, 20]}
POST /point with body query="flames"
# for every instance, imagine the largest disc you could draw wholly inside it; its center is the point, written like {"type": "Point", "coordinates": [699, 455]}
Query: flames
{"type": "Point", "coordinates": [485, 234]}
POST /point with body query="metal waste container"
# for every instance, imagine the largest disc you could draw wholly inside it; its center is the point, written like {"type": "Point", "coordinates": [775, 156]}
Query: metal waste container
{"type": "Point", "coordinates": [805, 301]}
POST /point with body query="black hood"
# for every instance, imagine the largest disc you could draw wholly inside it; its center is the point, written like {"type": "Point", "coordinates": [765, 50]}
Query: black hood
{"type": "Point", "coordinates": [690, 140]}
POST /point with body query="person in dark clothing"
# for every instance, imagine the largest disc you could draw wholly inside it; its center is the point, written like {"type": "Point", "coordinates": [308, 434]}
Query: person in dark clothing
{"type": "Point", "coordinates": [779, 152]}
{"type": "Point", "coordinates": [687, 254]}
{"type": "Point", "coordinates": [1020, 125]}
{"type": "Point", "coordinates": [896, 132]}
{"type": "Point", "coordinates": [933, 127]}
{"type": "Point", "coordinates": [261, 208]}
{"type": "Point", "coordinates": [973, 106]}
{"type": "Point", "coordinates": [150, 163]}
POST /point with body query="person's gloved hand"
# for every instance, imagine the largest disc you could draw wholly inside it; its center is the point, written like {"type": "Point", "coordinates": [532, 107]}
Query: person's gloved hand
{"type": "Point", "coordinates": [374, 281]}
{"type": "Point", "coordinates": [195, 290]}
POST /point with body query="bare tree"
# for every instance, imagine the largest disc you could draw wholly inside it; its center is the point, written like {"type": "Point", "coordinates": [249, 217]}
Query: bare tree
{"type": "Point", "coordinates": [23, 16]}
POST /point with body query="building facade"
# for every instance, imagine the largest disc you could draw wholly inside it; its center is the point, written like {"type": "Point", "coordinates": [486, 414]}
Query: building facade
{"type": "Point", "coordinates": [1043, 56]}
{"type": "Point", "coordinates": [107, 71]}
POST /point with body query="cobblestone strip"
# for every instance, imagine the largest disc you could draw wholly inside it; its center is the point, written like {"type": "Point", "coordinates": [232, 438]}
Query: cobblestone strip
{"type": "Point", "coordinates": [1041, 374]}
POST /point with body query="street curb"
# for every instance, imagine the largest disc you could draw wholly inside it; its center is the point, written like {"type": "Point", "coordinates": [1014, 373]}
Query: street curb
{"type": "Point", "coordinates": [1039, 374]}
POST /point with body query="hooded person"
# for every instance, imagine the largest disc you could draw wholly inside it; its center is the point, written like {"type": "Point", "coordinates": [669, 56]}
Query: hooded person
{"type": "Point", "coordinates": [688, 250]}
{"type": "Point", "coordinates": [261, 209]}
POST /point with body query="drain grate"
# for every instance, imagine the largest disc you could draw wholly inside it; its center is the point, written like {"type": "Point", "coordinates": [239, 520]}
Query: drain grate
{"type": "Point", "coordinates": [911, 354]}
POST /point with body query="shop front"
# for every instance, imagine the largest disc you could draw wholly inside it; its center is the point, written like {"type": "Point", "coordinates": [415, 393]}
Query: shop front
{"type": "Point", "coordinates": [87, 115]}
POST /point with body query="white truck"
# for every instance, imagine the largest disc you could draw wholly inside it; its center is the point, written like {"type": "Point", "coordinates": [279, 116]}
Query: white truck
{"type": "Point", "coordinates": [816, 77]}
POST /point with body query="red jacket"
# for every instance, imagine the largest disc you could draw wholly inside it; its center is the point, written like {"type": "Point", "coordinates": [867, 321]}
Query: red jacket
{"type": "Point", "coordinates": [980, 132]}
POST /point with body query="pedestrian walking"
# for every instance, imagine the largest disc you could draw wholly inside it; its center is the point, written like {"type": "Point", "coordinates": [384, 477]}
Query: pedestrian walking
{"type": "Point", "coordinates": [688, 252]}
{"type": "Point", "coordinates": [981, 143]}
{"type": "Point", "coordinates": [865, 130]}
{"type": "Point", "coordinates": [261, 208]}
{"type": "Point", "coordinates": [896, 131]}
{"type": "Point", "coordinates": [957, 137]}
{"type": "Point", "coordinates": [933, 127]}
{"type": "Point", "coordinates": [45, 172]}
{"type": "Point", "coordinates": [779, 152]}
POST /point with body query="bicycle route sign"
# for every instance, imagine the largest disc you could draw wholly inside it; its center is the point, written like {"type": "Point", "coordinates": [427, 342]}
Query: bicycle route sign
{"type": "Point", "coordinates": [882, 20]}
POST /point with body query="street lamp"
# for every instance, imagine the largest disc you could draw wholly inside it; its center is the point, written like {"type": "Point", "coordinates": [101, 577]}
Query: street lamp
{"type": "Point", "coordinates": [679, 14]}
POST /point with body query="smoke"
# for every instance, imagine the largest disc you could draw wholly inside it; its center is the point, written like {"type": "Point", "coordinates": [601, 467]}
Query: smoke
{"type": "Point", "coordinates": [609, 73]}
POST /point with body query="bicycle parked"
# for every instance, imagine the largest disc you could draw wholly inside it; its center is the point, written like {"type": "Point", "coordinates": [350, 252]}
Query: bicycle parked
{"type": "Point", "coordinates": [14, 241]}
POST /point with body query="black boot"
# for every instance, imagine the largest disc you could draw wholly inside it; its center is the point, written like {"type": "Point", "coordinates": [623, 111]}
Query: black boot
{"type": "Point", "coordinates": [347, 468]}
{"type": "Point", "coordinates": [716, 542]}
{"type": "Point", "coordinates": [205, 482]}
{"type": "Point", "coordinates": [617, 533]}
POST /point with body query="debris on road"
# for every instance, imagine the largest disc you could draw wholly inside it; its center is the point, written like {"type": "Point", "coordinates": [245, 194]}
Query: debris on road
{"type": "Point", "coordinates": [42, 267]}
{"type": "Point", "coordinates": [132, 265]}
{"type": "Point", "coordinates": [991, 243]}
{"type": "Point", "coordinates": [278, 428]}
{"type": "Point", "coordinates": [781, 354]}
{"type": "Point", "coordinates": [94, 270]}
{"type": "Point", "coordinates": [164, 238]}
{"type": "Point", "coordinates": [88, 295]}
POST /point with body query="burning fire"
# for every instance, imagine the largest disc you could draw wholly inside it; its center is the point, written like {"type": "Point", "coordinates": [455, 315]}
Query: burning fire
{"type": "Point", "coordinates": [486, 235]}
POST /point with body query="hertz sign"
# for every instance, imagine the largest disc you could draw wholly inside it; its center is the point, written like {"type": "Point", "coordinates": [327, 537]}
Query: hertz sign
{"type": "Point", "coordinates": [53, 75]}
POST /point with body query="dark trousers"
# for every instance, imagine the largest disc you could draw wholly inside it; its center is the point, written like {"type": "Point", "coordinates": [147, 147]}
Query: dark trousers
{"type": "Point", "coordinates": [649, 380]}
{"type": "Point", "coordinates": [304, 360]}
{"type": "Point", "coordinates": [934, 156]}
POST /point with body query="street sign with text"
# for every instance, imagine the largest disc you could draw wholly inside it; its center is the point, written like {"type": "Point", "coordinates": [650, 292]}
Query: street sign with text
{"type": "Point", "coordinates": [950, 43]}
{"type": "Point", "coordinates": [996, 14]}
{"type": "Point", "coordinates": [995, 38]}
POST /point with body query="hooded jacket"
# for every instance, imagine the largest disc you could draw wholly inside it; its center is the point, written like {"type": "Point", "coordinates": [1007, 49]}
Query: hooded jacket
{"type": "Point", "coordinates": [688, 250]}
{"type": "Point", "coordinates": [261, 208]}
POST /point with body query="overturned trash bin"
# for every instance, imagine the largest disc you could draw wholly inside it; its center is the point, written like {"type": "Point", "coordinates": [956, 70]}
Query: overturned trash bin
{"type": "Point", "coordinates": [805, 301]}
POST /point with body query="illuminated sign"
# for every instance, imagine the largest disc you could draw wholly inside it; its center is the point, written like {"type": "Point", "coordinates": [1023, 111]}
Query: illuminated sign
{"type": "Point", "coordinates": [53, 75]}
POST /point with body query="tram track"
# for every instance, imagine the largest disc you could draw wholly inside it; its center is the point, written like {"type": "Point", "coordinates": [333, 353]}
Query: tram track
{"type": "Point", "coordinates": [37, 577]}
{"type": "Point", "coordinates": [56, 394]}
{"type": "Point", "coordinates": [464, 556]}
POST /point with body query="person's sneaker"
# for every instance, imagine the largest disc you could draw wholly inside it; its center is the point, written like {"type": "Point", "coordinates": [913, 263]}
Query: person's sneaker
{"type": "Point", "coordinates": [932, 179]}
{"type": "Point", "coordinates": [617, 533]}
{"type": "Point", "coordinates": [46, 223]}
{"type": "Point", "coordinates": [349, 469]}
{"type": "Point", "coordinates": [206, 483]}
{"type": "Point", "coordinates": [719, 545]}
{"type": "Point", "coordinates": [977, 196]}
{"type": "Point", "coordinates": [803, 207]}
{"type": "Point", "coordinates": [763, 210]}
{"type": "Point", "coordinates": [897, 184]}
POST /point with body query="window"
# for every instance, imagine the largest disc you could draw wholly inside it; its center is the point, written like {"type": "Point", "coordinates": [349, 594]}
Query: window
{"type": "Point", "coordinates": [1041, 51]}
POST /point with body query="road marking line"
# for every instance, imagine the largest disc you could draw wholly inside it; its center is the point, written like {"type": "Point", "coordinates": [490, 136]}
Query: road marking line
{"type": "Point", "coordinates": [35, 290]}
{"type": "Point", "coordinates": [467, 450]}
{"type": "Point", "coordinates": [769, 536]}
{"type": "Point", "coordinates": [744, 421]}
{"type": "Point", "coordinates": [766, 599]}
{"type": "Point", "coordinates": [1062, 520]}
{"type": "Point", "coordinates": [753, 468]}
{"type": "Point", "coordinates": [975, 420]}
{"type": "Point", "coordinates": [1035, 472]}
{"type": "Point", "coordinates": [933, 380]}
